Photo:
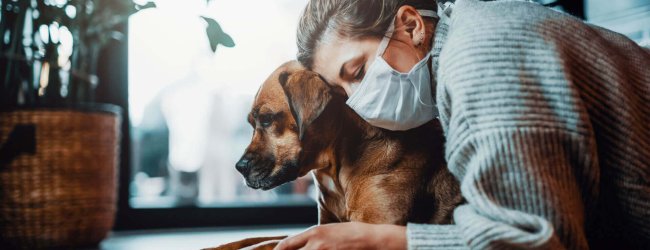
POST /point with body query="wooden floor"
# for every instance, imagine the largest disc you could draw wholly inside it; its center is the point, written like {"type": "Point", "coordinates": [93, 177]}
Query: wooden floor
{"type": "Point", "coordinates": [180, 239]}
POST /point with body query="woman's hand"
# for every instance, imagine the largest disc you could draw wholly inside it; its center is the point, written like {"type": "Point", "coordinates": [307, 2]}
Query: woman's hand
{"type": "Point", "coordinates": [349, 235]}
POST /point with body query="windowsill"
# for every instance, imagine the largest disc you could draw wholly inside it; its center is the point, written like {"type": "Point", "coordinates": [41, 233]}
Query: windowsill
{"type": "Point", "coordinates": [163, 202]}
{"type": "Point", "coordinates": [198, 238]}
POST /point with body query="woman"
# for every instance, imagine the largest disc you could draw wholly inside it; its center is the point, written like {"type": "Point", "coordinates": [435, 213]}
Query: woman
{"type": "Point", "coordinates": [547, 119]}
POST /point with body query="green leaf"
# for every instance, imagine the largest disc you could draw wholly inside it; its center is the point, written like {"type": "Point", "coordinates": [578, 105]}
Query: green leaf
{"type": "Point", "coordinates": [146, 6]}
{"type": "Point", "coordinates": [216, 35]}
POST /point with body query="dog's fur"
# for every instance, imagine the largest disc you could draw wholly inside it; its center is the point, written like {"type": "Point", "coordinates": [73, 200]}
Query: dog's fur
{"type": "Point", "coordinates": [363, 173]}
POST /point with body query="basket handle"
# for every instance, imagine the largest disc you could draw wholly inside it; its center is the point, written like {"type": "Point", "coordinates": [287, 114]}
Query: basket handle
{"type": "Point", "coordinates": [22, 139]}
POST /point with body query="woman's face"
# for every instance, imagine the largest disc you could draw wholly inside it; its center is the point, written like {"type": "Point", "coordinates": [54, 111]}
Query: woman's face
{"type": "Point", "coordinates": [343, 62]}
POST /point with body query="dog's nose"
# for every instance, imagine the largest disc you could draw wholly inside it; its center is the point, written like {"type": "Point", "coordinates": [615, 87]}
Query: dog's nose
{"type": "Point", "coordinates": [243, 164]}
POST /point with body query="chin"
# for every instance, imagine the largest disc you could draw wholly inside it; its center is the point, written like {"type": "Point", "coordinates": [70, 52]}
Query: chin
{"type": "Point", "coordinates": [268, 180]}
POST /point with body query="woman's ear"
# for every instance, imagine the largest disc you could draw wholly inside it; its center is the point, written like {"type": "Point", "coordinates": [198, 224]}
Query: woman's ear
{"type": "Point", "coordinates": [408, 22]}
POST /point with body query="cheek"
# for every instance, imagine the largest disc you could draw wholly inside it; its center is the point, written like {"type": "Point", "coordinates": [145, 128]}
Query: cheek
{"type": "Point", "coordinates": [401, 56]}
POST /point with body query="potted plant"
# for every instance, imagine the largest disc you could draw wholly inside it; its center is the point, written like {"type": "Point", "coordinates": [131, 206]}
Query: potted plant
{"type": "Point", "coordinates": [58, 148]}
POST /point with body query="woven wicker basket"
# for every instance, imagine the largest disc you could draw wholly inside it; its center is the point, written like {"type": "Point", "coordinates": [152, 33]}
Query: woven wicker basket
{"type": "Point", "coordinates": [58, 172]}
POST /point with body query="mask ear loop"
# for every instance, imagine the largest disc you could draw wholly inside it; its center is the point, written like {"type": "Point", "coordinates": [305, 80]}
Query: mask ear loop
{"type": "Point", "coordinates": [417, 90]}
{"type": "Point", "coordinates": [386, 39]}
{"type": "Point", "coordinates": [427, 13]}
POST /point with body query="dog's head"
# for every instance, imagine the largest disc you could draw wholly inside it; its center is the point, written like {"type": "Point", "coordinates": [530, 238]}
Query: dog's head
{"type": "Point", "coordinates": [287, 103]}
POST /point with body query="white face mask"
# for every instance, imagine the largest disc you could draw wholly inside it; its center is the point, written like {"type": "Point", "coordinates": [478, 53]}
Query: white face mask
{"type": "Point", "coordinates": [389, 99]}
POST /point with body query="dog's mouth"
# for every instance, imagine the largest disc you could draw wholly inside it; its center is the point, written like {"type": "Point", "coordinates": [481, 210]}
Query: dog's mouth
{"type": "Point", "coordinates": [258, 179]}
{"type": "Point", "coordinates": [265, 178]}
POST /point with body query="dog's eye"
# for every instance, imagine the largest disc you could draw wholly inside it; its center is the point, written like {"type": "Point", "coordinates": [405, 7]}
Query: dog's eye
{"type": "Point", "coordinates": [266, 120]}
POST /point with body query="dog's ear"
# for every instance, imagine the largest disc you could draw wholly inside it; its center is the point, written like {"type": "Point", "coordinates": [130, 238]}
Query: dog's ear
{"type": "Point", "coordinates": [308, 95]}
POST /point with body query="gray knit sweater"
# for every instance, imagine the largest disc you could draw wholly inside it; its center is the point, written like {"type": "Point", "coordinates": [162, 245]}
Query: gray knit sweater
{"type": "Point", "coordinates": [547, 121]}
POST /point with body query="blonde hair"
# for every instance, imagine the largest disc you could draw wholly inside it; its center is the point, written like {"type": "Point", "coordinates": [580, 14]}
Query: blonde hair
{"type": "Point", "coordinates": [353, 19]}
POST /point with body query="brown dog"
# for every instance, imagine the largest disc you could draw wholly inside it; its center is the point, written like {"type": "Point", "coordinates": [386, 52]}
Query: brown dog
{"type": "Point", "coordinates": [363, 173]}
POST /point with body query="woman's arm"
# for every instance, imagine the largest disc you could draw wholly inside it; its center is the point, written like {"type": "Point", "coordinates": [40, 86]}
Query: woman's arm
{"type": "Point", "coordinates": [523, 191]}
{"type": "Point", "coordinates": [348, 235]}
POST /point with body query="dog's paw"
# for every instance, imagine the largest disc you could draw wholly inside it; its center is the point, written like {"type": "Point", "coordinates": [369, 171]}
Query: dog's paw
{"type": "Point", "coordinates": [267, 245]}
{"type": "Point", "coordinates": [259, 243]}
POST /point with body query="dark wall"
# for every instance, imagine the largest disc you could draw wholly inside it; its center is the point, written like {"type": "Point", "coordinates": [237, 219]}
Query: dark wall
{"type": "Point", "coordinates": [113, 88]}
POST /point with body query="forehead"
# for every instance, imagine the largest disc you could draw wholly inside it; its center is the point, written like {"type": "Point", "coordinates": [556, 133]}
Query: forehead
{"type": "Point", "coordinates": [270, 98]}
{"type": "Point", "coordinates": [331, 54]}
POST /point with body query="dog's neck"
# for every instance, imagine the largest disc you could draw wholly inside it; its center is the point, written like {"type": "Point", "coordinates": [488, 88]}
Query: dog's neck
{"type": "Point", "coordinates": [334, 126]}
{"type": "Point", "coordinates": [337, 141]}
{"type": "Point", "coordinates": [350, 158]}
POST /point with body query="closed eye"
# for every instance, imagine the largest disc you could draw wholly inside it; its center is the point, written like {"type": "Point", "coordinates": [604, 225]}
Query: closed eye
{"type": "Point", "coordinates": [353, 69]}
{"type": "Point", "coordinates": [361, 72]}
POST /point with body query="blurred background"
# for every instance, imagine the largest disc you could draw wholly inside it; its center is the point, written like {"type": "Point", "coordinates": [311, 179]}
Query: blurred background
{"type": "Point", "coordinates": [184, 73]}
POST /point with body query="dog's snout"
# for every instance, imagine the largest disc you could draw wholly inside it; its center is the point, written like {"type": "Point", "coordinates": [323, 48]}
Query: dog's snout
{"type": "Point", "coordinates": [243, 164]}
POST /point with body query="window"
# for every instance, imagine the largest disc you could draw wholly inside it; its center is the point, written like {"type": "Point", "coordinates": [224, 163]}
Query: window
{"type": "Point", "coordinates": [188, 107]}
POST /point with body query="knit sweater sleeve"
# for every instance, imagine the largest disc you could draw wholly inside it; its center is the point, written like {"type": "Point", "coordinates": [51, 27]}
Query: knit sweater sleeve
{"type": "Point", "coordinates": [521, 190]}
{"type": "Point", "coordinates": [518, 139]}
